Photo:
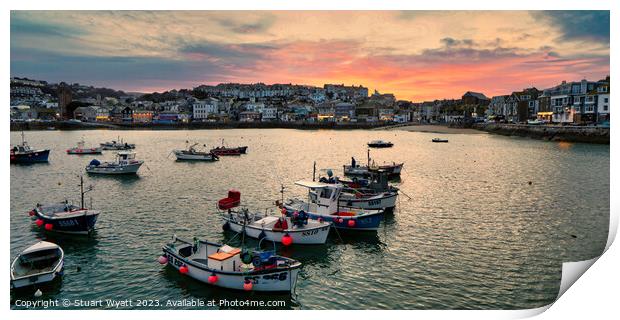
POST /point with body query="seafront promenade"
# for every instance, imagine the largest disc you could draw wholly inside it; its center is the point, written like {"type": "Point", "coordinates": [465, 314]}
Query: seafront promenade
{"type": "Point", "coordinates": [586, 134]}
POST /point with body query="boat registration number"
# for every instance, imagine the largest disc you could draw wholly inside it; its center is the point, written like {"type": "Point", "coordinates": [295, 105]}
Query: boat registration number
{"type": "Point", "coordinates": [282, 276]}
{"type": "Point", "coordinates": [374, 202]}
{"type": "Point", "coordinates": [67, 223]}
{"type": "Point", "coordinates": [312, 232]}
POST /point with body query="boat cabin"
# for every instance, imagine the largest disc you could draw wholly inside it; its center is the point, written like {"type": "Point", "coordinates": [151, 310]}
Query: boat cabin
{"type": "Point", "coordinates": [125, 156]}
{"type": "Point", "coordinates": [322, 197]}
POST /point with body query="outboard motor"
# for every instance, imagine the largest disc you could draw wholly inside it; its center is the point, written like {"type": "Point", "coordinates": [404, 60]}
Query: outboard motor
{"type": "Point", "coordinates": [94, 162]}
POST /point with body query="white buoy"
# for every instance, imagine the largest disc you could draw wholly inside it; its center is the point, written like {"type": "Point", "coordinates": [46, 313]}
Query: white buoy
{"type": "Point", "coordinates": [38, 293]}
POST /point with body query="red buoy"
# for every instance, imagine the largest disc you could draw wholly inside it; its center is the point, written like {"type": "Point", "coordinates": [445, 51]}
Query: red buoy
{"type": "Point", "coordinates": [283, 210]}
{"type": "Point", "coordinates": [212, 279]}
{"type": "Point", "coordinates": [351, 223]}
{"type": "Point", "coordinates": [287, 240]}
{"type": "Point", "coordinates": [49, 226]}
{"type": "Point", "coordinates": [162, 260]}
{"type": "Point", "coordinates": [39, 222]}
{"type": "Point", "coordinates": [295, 214]}
{"type": "Point", "coordinates": [247, 285]}
{"type": "Point", "coordinates": [31, 213]}
{"type": "Point", "coordinates": [183, 269]}
{"type": "Point", "coordinates": [319, 219]}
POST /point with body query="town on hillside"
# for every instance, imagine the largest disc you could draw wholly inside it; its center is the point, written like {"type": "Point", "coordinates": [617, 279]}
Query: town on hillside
{"type": "Point", "coordinates": [576, 103]}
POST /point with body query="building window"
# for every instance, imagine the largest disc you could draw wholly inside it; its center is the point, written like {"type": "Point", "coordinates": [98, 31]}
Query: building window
{"type": "Point", "coordinates": [605, 107]}
{"type": "Point", "coordinates": [606, 100]}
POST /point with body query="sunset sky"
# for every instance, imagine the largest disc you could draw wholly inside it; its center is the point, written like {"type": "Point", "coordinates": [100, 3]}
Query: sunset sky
{"type": "Point", "coordinates": [417, 55]}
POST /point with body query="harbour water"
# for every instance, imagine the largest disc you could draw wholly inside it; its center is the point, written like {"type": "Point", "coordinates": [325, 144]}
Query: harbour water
{"type": "Point", "coordinates": [488, 224]}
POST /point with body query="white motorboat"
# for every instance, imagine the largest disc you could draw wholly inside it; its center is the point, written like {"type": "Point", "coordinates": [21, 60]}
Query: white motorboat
{"type": "Point", "coordinates": [232, 268]}
{"type": "Point", "coordinates": [374, 193]}
{"type": "Point", "coordinates": [81, 149]}
{"type": "Point", "coordinates": [380, 144]}
{"type": "Point", "coordinates": [125, 163]}
{"type": "Point", "coordinates": [294, 229]}
{"type": "Point", "coordinates": [192, 153]}
{"type": "Point", "coordinates": [39, 263]}
{"type": "Point", "coordinates": [323, 204]}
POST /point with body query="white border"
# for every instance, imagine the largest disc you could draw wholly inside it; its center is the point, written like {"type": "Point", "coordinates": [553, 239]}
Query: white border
{"type": "Point", "coordinates": [594, 295]}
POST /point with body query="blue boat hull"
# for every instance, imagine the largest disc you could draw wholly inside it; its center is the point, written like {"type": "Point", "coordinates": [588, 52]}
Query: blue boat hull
{"type": "Point", "coordinates": [369, 222]}
{"type": "Point", "coordinates": [31, 157]}
{"type": "Point", "coordinates": [73, 225]}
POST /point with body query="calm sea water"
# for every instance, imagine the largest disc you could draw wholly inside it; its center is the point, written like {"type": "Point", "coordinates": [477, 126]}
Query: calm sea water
{"type": "Point", "coordinates": [475, 234]}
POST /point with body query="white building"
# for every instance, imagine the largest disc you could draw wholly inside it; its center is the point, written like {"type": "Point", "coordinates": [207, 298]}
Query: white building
{"type": "Point", "coordinates": [202, 109]}
{"type": "Point", "coordinates": [269, 114]}
{"type": "Point", "coordinates": [254, 106]}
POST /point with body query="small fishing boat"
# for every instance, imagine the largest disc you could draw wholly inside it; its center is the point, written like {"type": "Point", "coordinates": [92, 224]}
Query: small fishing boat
{"type": "Point", "coordinates": [233, 268]}
{"type": "Point", "coordinates": [22, 153]}
{"type": "Point", "coordinates": [227, 151]}
{"type": "Point", "coordinates": [192, 153]}
{"type": "Point", "coordinates": [117, 145]}
{"type": "Point", "coordinates": [380, 144]}
{"type": "Point", "coordinates": [323, 204]}
{"type": "Point", "coordinates": [373, 194]}
{"type": "Point", "coordinates": [355, 169]}
{"type": "Point", "coordinates": [80, 149]}
{"type": "Point", "coordinates": [64, 217]}
{"type": "Point", "coordinates": [125, 163]}
{"type": "Point", "coordinates": [439, 140]}
{"type": "Point", "coordinates": [296, 229]}
{"type": "Point", "coordinates": [39, 263]}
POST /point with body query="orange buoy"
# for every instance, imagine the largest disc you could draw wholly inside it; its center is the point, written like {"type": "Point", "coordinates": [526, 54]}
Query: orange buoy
{"type": "Point", "coordinates": [247, 285]}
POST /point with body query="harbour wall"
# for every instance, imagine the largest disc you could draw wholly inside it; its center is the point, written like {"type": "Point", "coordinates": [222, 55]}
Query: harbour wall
{"type": "Point", "coordinates": [585, 134]}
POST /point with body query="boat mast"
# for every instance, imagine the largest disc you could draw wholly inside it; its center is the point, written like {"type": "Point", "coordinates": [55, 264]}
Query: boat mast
{"type": "Point", "coordinates": [368, 157]}
{"type": "Point", "coordinates": [82, 191]}
{"type": "Point", "coordinates": [314, 172]}
{"type": "Point", "coordinates": [23, 139]}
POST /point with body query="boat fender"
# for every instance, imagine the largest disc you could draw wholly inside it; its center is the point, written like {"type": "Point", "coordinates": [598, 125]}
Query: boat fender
{"type": "Point", "coordinates": [262, 235]}
{"type": "Point", "coordinates": [287, 240]}
{"type": "Point", "coordinates": [212, 278]}
{"type": "Point", "coordinates": [226, 226]}
{"type": "Point", "coordinates": [247, 285]}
